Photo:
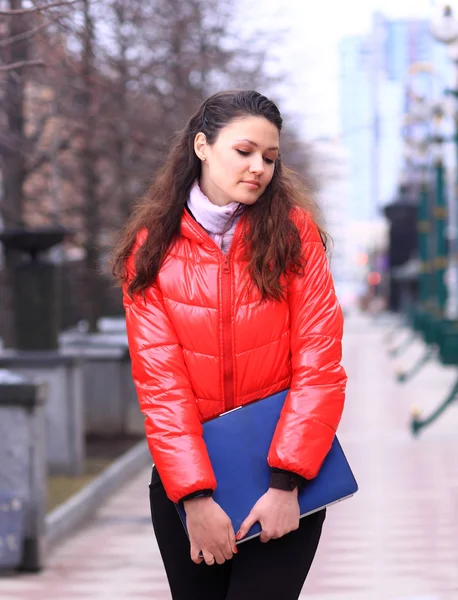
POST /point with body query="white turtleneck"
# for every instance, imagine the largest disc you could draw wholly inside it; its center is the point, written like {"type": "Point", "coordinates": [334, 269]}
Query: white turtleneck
{"type": "Point", "coordinates": [213, 218]}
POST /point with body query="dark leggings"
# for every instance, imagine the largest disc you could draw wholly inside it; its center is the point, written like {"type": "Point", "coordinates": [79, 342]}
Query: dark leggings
{"type": "Point", "coordinates": [272, 571]}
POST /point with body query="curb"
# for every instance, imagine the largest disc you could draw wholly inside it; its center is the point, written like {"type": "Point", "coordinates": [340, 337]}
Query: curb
{"type": "Point", "coordinates": [79, 508]}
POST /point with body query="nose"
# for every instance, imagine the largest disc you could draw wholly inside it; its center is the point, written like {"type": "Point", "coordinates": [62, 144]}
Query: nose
{"type": "Point", "coordinates": [257, 165]}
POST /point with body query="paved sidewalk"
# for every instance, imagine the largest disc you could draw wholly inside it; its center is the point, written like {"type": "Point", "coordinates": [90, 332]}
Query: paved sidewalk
{"type": "Point", "coordinates": [397, 539]}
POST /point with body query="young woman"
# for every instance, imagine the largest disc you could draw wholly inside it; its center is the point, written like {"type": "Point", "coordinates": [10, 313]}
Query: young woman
{"type": "Point", "coordinates": [229, 299]}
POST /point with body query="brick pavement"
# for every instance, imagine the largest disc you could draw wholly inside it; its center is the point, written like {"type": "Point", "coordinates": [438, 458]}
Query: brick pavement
{"type": "Point", "coordinates": [397, 539]}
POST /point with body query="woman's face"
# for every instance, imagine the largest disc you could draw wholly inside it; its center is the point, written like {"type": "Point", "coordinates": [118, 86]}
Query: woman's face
{"type": "Point", "coordinates": [240, 164]}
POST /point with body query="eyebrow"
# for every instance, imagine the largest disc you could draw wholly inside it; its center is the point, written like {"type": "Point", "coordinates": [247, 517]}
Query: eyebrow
{"type": "Point", "coordinates": [255, 144]}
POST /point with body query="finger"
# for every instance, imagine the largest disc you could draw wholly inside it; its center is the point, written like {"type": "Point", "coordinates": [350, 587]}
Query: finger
{"type": "Point", "coordinates": [246, 526]}
{"type": "Point", "coordinates": [226, 551]}
{"type": "Point", "coordinates": [265, 537]}
{"type": "Point", "coordinates": [219, 557]}
{"type": "Point", "coordinates": [231, 536]}
{"type": "Point", "coordinates": [208, 558]}
{"type": "Point", "coordinates": [196, 555]}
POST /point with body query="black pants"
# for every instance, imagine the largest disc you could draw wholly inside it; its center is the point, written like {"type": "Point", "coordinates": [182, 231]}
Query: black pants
{"type": "Point", "coordinates": [272, 571]}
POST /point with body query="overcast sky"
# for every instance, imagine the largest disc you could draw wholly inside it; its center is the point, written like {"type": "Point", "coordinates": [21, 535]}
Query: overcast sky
{"type": "Point", "coordinates": [309, 50]}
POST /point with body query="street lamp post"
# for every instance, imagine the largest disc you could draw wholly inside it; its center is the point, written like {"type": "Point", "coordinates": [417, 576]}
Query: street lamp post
{"type": "Point", "coordinates": [445, 30]}
{"type": "Point", "coordinates": [418, 154]}
{"type": "Point", "coordinates": [440, 219]}
{"type": "Point", "coordinates": [424, 246]}
{"type": "Point", "coordinates": [423, 153]}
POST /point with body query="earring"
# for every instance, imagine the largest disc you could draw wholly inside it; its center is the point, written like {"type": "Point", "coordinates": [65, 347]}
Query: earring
{"type": "Point", "coordinates": [202, 158]}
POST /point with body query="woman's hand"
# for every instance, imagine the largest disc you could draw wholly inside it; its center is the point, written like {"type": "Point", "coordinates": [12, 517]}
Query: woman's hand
{"type": "Point", "coordinates": [210, 531]}
{"type": "Point", "coordinates": [278, 513]}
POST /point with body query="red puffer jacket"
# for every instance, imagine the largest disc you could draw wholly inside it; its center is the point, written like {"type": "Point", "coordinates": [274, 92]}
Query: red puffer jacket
{"type": "Point", "coordinates": [201, 344]}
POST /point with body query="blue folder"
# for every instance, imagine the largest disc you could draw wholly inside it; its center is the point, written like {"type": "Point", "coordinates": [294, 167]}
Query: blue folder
{"type": "Point", "coordinates": [238, 443]}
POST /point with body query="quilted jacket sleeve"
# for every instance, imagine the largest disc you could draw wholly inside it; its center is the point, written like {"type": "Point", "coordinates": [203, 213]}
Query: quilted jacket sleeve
{"type": "Point", "coordinates": [314, 404]}
{"type": "Point", "coordinates": [172, 422]}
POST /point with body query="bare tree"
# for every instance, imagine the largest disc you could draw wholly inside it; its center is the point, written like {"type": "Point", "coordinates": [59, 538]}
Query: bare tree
{"type": "Point", "coordinates": [13, 159]}
{"type": "Point", "coordinates": [18, 28]}
{"type": "Point", "coordinates": [120, 79]}
{"type": "Point", "coordinates": [23, 30]}
{"type": "Point", "coordinates": [88, 168]}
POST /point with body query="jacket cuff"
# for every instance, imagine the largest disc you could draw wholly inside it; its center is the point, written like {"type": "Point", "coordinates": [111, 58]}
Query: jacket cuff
{"type": "Point", "coordinates": [281, 479]}
{"type": "Point", "coordinates": [198, 494]}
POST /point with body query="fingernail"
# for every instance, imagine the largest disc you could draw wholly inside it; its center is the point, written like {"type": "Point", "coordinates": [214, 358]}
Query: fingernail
{"type": "Point", "coordinates": [235, 550]}
{"type": "Point", "coordinates": [238, 536]}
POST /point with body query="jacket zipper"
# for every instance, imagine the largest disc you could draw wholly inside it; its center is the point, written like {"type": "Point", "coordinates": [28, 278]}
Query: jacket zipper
{"type": "Point", "coordinates": [228, 364]}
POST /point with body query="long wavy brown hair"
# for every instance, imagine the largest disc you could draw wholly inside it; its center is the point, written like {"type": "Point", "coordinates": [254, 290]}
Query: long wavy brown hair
{"type": "Point", "coordinates": [272, 242]}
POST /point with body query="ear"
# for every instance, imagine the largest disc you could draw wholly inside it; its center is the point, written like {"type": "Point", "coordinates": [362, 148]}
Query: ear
{"type": "Point", "coordinates": [200, 145]}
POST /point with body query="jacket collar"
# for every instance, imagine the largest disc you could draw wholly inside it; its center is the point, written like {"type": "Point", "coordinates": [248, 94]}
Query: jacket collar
{"type": "Point", "coordinates": [191, 230]}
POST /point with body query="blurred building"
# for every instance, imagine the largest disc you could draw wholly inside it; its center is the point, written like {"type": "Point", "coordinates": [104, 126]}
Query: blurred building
{"type": "Point", "coordinates": [373, 99]}
{"type": "Point", "coordinates": [330, 167]}
{"type": "Point", "coordinates": [373, 72]}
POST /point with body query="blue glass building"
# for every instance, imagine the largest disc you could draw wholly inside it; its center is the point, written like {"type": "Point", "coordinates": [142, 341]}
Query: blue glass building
{"type": "Point", "coordinates": [373, 83]}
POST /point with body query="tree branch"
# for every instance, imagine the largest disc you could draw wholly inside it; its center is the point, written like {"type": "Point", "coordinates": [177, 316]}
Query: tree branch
{"type": "Point", "coordinates": [46, 157]}
{"type": "Point", "coordinates": [23, 63]}
{"type": "Point", "coordinates": [29, 11]}
{"type": "Point", "coordinates": [24, 36]}
{"type": "Point", "coordinates": [35, 138]}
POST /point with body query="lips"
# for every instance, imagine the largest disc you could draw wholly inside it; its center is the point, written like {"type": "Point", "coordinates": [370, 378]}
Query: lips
{"type": "Point", "coordinates": [253, 182]}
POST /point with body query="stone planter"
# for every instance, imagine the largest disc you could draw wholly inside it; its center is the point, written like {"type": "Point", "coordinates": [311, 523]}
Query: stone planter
{"type": "Point", "coordinates": [64, 412]}
{"type": "Point", "coordinates": [22, 473]}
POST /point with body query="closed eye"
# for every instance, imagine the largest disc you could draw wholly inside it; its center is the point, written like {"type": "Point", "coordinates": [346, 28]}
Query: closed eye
{"type": "Point", "coordinates": [269, 161]}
